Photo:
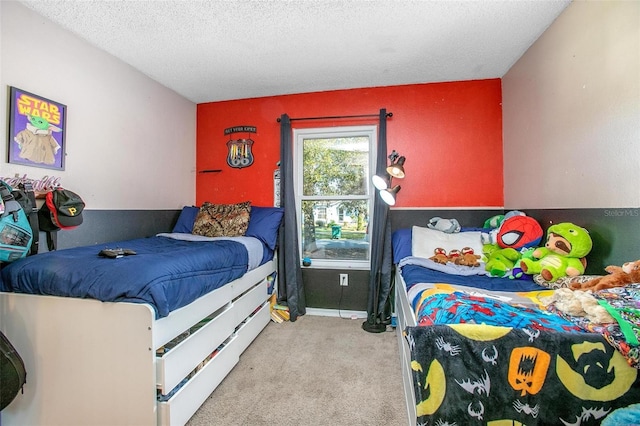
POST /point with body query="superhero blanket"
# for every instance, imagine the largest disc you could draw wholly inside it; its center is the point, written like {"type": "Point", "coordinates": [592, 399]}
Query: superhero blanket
{"type": "Point", "coordinates": [473, 374]}
{"type": "Point", "coordinates": [462, 308]}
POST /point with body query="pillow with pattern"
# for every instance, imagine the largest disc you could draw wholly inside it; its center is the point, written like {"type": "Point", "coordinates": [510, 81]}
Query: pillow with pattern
{"type": "Point", "coordinates": [222, 220]}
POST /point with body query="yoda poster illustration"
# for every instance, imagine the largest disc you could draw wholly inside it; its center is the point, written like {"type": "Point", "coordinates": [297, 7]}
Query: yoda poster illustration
{"type": "Point", "coordinates": [36, 130]}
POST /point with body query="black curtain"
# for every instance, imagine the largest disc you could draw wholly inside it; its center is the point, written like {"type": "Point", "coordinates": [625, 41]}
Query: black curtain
{"type": "Point", "coordinates": [290, 284]}
{"type": "Point", "coordinates": [381, 264]}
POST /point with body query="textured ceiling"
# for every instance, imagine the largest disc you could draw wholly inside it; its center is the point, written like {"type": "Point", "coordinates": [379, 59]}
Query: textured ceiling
{"type": "Point", "coordinates": [220, 50]}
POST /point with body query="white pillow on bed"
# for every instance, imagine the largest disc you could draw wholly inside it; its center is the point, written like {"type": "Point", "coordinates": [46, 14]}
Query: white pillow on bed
{"type": "Point", "coordinates": [425, 240]}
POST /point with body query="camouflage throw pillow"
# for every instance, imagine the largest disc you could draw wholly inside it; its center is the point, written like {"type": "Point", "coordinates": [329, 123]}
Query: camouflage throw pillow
{"type": "Point", "coordinates": [562, 282]}
{"type": "Point", "coordinates": [222, 220]}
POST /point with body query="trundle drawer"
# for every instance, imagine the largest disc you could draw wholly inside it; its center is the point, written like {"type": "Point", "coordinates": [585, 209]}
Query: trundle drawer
{"type": "Point", "coordinates": [248, 331]}
{"type": "Point", "coordinates": [186, 401]}
{"type": "Point", "coordinates": [250, 301]}
{"type": "Point", "coordinates": [240, 287]}
{"type": "Point", "coordinates": [173, 366]}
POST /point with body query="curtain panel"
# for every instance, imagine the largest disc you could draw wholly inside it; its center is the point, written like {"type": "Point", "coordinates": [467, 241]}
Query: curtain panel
{"type": "Point", "coordinates": [381, 263]}
{"type": "Point", "coordinates": [289, 273]}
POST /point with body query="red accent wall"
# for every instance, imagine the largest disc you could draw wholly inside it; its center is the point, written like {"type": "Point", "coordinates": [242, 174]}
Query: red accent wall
{"type": "Point", "coordinates": [450, 133]}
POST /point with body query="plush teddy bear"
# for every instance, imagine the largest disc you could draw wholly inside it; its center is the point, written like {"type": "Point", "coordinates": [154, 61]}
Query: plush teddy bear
{"type": "Point", "coordinates": [453, 255]}
{"type": "Point", "coordinates": [500, 261]}
{"type": "Point", "coordinates": [467, 258]}
{"type": "Point", "coordinates": [618, 277]}
{"type": "Point", "coordinates": [439, 256]}
{"type": "Point", "coordinates": [563, 254]}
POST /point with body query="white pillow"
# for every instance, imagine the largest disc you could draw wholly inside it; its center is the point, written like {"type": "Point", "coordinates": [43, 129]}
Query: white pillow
{"type": "Point", "coordinates": [425, 240]}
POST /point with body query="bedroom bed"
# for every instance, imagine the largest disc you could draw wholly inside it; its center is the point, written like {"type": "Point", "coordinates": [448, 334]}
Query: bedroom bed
{"type": "Point", "coordinates": [476, 349]}
{"type": "Point", "coordinates": [141, 339]}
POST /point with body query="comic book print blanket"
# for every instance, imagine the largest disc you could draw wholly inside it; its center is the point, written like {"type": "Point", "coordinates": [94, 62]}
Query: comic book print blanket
{"type": "Point", "coordinates": [463, 308]}
{"type": "Point", "coordinates": [472, 374]}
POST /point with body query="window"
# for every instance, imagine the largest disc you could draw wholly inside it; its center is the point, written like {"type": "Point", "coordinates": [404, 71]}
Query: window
{"type": "Point", "coordinates": [334, 195]}
{"type": "Point", "coordinates": [321, 213]}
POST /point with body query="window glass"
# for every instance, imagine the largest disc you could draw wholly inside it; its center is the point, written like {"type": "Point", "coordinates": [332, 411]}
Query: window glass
{"type": "Point", "coordinates": [335, 166]}
{"type": "Point", "coordinates": [334, 194]}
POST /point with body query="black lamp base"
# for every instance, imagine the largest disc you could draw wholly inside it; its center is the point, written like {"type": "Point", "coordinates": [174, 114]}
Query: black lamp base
{"type": "Point", "coordinates": [373, 328]}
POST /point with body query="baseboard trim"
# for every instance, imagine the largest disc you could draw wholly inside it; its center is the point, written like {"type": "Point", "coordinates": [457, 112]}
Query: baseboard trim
{"type": "Point", "coordinates": [340, 313]}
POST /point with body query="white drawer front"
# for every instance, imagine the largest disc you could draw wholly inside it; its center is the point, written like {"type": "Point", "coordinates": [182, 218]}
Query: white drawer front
{"type": "Point", "coordinates": [174, 366]}
{"type": "Point", "coordinates": [250, 301]}
{"type": "Point", "coordinates": [250, 330]}
{"type": "Point", "coordinates": [239, 287]}
{"type": "Point", "coordinates": [186, 401]}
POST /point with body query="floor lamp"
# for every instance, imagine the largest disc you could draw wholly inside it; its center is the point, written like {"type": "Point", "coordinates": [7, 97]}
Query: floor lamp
{"type": "Point", "coordinates": [388, 195]}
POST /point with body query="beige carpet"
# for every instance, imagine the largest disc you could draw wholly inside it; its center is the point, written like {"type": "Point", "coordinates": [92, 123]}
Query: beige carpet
{"type": "Point", "coordinates": [316, 371]}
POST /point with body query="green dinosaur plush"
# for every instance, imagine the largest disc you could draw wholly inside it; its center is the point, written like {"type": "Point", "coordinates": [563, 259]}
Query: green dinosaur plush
{"type": "Point", "coordinates": [500, 261]}
{"type": "Point", "coordinates": [563, 254]}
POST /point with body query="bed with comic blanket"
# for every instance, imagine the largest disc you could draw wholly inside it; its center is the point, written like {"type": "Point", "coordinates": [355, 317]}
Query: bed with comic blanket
{"type": "Point", "coordinates": [481, 349]}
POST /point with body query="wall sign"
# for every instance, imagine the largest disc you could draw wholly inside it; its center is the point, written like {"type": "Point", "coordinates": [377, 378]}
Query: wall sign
{"type": "Point", "coordinates": [239, 153]}
{"type": "Point", "coordinates": [40, 186]}
{"type": "Point", "coordinates": [37, 130]}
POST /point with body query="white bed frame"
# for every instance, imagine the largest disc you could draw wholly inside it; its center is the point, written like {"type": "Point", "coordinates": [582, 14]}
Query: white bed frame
{"type": "Point", "coordinates": [90, 362]}
{"type": "Point", "coordinates": [405, 318]}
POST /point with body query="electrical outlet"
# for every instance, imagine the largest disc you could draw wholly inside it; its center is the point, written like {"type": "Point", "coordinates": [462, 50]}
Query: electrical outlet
{"type": "Point", "coordinates": [344, 280]}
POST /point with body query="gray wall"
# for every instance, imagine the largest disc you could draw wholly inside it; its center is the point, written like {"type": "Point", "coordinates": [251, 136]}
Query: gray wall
{"type": "Point", "coordinates": [104, 227]}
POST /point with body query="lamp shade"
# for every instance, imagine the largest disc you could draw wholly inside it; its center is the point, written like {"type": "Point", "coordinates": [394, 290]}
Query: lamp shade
{"type": "Point", "coordinates": [389, 195]}
{"type": "Point", "coordinates": [378, 182]}
{"type": "Point", "coordinates": [396, 169]}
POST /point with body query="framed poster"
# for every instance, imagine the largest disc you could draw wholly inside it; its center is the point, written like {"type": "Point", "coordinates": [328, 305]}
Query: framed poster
{"type": "Point", "coordinates": [37, 130]}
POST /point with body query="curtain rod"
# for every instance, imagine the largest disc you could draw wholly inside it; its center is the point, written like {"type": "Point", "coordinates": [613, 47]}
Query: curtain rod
{"type": "Point", "coordinates": [389, 114]}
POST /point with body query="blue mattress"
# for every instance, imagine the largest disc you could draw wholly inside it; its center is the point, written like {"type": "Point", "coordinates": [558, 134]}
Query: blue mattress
{"type": "Point", "coordinates": [166, 273]}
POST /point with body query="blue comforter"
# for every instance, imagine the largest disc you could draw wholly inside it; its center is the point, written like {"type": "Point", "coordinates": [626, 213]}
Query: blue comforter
{"type": "Point", "coordinates": [414, 274]}
{"type": "Point", "coordinates": [165, 273]}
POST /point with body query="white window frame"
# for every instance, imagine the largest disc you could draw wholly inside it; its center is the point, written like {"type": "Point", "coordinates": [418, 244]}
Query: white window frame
{"type": "Point", "coordinates": [299, 135]}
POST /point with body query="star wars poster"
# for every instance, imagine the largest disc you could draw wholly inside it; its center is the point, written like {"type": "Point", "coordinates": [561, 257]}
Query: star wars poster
{"type": "Point", "coordinates": [36, 130]}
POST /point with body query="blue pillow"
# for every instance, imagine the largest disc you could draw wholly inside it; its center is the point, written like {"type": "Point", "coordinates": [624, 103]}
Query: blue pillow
{"type": "Point", "coordinates": [264, 223]}
{"type": "Point", "coordinates": [401, 241]}
{"type": "Point", "coordinates": [186, 219]}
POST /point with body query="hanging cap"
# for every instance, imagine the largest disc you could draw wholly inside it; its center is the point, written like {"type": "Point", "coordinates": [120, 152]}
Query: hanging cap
{"type": "Point", "coordinates": [66, 208]}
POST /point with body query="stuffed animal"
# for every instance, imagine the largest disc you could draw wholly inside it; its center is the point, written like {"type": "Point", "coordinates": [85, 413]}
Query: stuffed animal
{"type": "Point", "coordinates": [563, 254]}
{"type": "Point", "coordinates": [445, 225]}
{"type": "Point", "coordinates": [579, 304]}
{"type": "Point", "coordinates": [494, 221]}
{"type": "Point", "coordinates": [467, 258]}
{"type": "Point", "coordinates": [517, 273]}
{"type": "Point", "coordinates": [439, 256]}
{"type": "Point", "coordinates": [464, 257]}
{"type": "Point", "coordinates": [516, 230]}
{"type": "Point", "coordinates": [499, 261]}
{"type": "Point", "coordinates": [453, 255]}
{"type": "Point", "coordinates": [519, 232]}
{"type": "Point", "coordinates": [618, 277]}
